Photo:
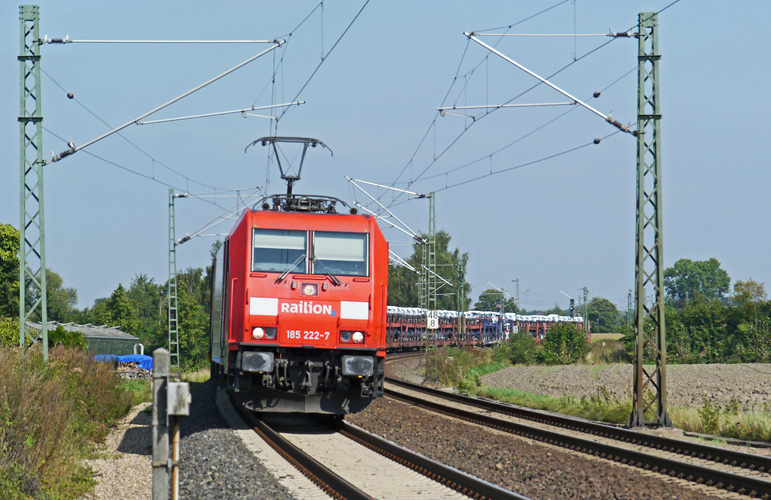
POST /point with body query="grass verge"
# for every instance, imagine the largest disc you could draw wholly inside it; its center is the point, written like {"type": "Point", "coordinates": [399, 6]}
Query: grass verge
{"type": "Point", "coordinates": [727, 421]}
{"type": "Point", "coordinates": [141, 390]}
{"type": "Point", "coordinates": [598, 407]}
{"type": "Point", "coordinates": [51, 416]}
{"type": "Point", "coordinates": [197, 376]}
{"type": "Point", "coordinates": [464, 368]}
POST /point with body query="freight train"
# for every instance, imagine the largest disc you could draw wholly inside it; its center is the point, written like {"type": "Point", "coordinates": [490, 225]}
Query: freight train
{"type": "Point", "coordinates": [299, 315]}
{"type": "Point", "coordinates": [407, 327]}
{"type": "Point", "coordinates": [299, 296]}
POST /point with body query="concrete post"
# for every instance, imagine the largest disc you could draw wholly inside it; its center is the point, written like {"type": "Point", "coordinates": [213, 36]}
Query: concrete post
{"type": "Point", "coordinates": [160, 425]}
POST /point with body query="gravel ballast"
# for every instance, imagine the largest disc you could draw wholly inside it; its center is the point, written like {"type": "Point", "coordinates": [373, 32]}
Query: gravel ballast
{"type": "Point", "coordinates": [524, 466]}
{"type": "Point", "coordinates": [215, 462]}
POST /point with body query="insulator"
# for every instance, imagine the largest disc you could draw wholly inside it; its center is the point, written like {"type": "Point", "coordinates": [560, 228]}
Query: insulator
{"type": "Point", "coordinates": [597, 140]}
{"type": "Point", "coordinates": [57, 40]}
{"type": "Point", "coordinates": [66, 153]}
{"type": "Point", "coordinates": [596, 95]}
{"type": "Point", "coordinates": [70, 95]}
{"type": "Point", "coordinates": [618, 124]}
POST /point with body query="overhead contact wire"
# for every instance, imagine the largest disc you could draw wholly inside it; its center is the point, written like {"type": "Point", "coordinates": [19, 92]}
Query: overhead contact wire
{"type": "Point", "coordinates": [308, 81]}
{"type": "Point", "coordinates": [92, 113]}
{"type": "Point", "coordinates": [528, 134]}
{"type": "Point", "coordinates": [452, 143]}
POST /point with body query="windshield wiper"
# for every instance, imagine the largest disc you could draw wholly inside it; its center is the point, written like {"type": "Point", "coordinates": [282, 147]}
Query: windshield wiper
{"type": "Point", "coordinates": [292, 268]}
{"type": "Point", "coordinates": [329, 275]}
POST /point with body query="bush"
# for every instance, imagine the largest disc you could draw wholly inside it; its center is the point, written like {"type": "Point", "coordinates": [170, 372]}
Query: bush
{"type": "Point", "coordinates": [9, 332]}
{"type": "Point", "coordinates": [449, 366]}
{"type": "Point", "coordinates": [50, 416]}
{"type": "Point", "coordinates": [565, 343]}
{"type": "Point", "coordinates": [522, 348]}
{"type": "Point", "coordinates": [60, 336]}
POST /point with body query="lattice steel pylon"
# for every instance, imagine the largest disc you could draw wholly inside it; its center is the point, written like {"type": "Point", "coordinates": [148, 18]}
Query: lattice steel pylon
{"type": "Point", "coordinates": [432, 279]}
{"type": "Point", "coordinates": [32, 256]}
{"type": "Point", "coordinates": [428, 280]}
{"type": "Point", "coordinates": [649, 397]}
{"type": "Point", "coordinates": [172, 292]}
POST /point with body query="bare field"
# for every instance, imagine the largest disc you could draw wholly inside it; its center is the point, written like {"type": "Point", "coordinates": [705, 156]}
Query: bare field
{"type": "Point", "coordinates": [688, 385]}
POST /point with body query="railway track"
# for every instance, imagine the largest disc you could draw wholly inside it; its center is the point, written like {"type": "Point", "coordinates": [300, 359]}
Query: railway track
{"type": "Point", "coordinates": [730, 470]}
{"type": "Point", "coordinates": [347, 462]}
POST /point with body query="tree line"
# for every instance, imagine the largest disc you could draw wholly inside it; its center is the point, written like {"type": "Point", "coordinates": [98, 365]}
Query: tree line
{"type": "Point", "coordinates": [704, 323]}
{"type": "Point", "coordinates": [140, 309]}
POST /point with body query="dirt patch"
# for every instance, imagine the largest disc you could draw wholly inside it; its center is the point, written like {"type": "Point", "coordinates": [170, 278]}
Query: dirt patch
{"type": "Point", "coordinates": [411, 369]}
{"type": "Point", "coordinates": [687, 385]}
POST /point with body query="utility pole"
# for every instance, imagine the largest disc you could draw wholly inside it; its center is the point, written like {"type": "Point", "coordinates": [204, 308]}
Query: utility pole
{"type": "Point", "coordinates": [32, 255]}
{"type": "Point", "coordinates": [172, 295]}
{"type": "Point", "coordinates": [516, 294]}
{"type": "Point", "coordinates": [461, 301]}
{"type": "Point", "coordinates": [629, 309]}
{"type": "Point", "coordinates": [586, 310]}
{"type": "Point", "coordinates": [649, 269]}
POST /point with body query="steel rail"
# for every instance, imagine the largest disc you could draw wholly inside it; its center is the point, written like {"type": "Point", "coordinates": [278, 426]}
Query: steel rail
{"type": "Point", "coordinates": [692, 472]}
{"type": "Point", "coordinates": [452, 478]}
{"type": "Point", "coordinates": [706, 452]}
{"type": "Point", "coordinates": [329, 482]}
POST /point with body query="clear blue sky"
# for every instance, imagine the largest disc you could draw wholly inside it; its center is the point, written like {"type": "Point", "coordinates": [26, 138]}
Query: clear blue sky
{"type": "Point", "coordinates": [556, 225]}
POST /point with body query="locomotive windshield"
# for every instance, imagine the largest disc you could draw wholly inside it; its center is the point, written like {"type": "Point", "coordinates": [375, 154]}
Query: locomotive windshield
{"type": "Point", "coordinates": [332, 253]}
{"type": "Point", "coordinates": [279, 250]}
{"type": "Point", "coordinates": [340, 253]}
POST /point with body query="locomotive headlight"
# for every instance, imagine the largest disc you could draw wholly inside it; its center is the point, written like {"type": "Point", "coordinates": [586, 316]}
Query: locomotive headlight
{"type": "Point", "coordinates": [258, 333]}
{"type": "Point", "coordinates": [345, 336]}
{"type": "Point", "coordinates": [358, 337]}
{"type": "Point", "coordinates": [270, 333]}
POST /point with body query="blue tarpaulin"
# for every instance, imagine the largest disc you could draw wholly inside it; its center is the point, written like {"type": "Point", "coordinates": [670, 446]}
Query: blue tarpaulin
{"type": "Point", "coordinates": [106, 357]}
{"type": "Point", "coordinates": [145, 362]}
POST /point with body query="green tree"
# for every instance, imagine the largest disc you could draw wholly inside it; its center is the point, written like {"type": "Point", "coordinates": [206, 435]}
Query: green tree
{"type": "Point", "coordinates": [603, 315]}
{"type": "Point", "coordinates": [61, 301]}
{"type": "Point", "coordinates": [749, 322]}
{"type": "Point", "coordinates": [688, 279]}
{"type": "Point", "coordinates": [193, 321]}
{"type": "Point", "coordinates": [9, 271]}
{"type": "Point", "coordinates": [194, 280]}
{"type": "Point", "coordinates": [403, 283]}
{"type": "Point", "coordinates": [701, 327]}
{"type": "Point", "coordinates": [491, 298]}
{"type": "Point", "coordinates": [749, 291]}
{"type": "Point", "coordinates": [564, 343]}
{"type": "Point", "coordinates": [118, 310]}
{"type": "Point", "coordinates": [149, 299]}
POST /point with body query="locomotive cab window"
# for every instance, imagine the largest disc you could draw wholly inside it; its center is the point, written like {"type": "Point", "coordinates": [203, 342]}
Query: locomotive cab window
{"type": "Point", "coordinates": [340, 253]}
{"type": "Point", "coordinates": [279, 250]}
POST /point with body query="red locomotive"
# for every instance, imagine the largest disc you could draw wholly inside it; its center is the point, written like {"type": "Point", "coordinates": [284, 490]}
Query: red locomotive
{"type": "Point", "coordinates": [299, 298]}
